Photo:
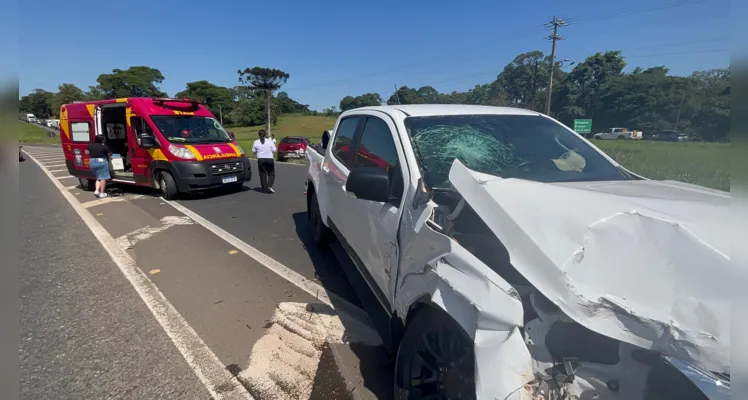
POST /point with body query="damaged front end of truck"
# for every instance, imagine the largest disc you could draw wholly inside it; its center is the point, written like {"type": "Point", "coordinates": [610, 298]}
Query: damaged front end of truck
{"type": "Point", "coordinates": [595, 290]}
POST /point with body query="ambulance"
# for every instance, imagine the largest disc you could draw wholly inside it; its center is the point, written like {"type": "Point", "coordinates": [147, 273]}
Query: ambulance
{"type": "Point", "coordinates": [172, 145]}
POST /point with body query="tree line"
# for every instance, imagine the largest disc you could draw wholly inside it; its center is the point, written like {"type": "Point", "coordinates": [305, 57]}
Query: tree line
{"type": "Point", "coordinates": [253, 101]}
{"type": "Point", "coordinates": [597, 89]}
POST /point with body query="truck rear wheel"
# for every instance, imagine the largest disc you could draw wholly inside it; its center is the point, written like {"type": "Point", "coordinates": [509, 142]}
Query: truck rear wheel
{"type": "Point", "coordinates": [87, 184]}
{"type": "Point", "coordinates": [320, 232]}
{"type": "Point", "coordinates": [435, 359]}
{"type": "Point", "coordinates": [168, 185]}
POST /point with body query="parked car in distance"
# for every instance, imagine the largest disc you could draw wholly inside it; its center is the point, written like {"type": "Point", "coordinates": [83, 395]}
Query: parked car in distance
{"type": "Point", "coordinates": [618, 133]}
{"type": "Point", "coordinates": [292, 147]}
{"type": "Point", "coordinates": [673, 136]}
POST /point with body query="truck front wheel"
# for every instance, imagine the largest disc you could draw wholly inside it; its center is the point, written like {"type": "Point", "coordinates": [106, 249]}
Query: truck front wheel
{"type": "Point", "coordinates": [168, 185]}
{"type": "Point", "coordinates": [320, 233]}
{"type": "Point", "coordinates": [435, 359]}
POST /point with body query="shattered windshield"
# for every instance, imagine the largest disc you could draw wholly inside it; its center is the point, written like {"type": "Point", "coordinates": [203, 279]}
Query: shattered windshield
{"type": "Point", "coordinates": [509, 146]}
{"type": "Point", "coordinates": [191, 129]}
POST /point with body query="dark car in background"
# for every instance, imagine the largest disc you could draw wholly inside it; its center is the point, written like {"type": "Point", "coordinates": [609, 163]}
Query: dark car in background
{"type": "Point", "coordinates": [292, 147]}
{"type": "Point", "coordinates": [672, 136]}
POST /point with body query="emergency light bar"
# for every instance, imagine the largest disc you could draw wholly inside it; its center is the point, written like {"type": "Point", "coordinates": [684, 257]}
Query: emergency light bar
{"type": "Point", "coordinates": [161, 100]}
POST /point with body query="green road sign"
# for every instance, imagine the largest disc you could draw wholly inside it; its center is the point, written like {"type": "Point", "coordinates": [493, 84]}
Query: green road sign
{"type": "Point", "coordinates": [583, 125]}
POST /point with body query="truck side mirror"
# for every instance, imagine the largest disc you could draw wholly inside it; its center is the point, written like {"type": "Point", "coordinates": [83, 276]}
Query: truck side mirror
{"type": "Point", "coordinates": [368, 183]}
{"type": "Point", "coordinates": [232, 136]}
{"type": "Point", "coordinates": [148, 142]}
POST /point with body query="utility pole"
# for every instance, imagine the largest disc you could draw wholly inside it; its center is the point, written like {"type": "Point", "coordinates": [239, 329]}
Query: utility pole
{"type": "Point", "coordinates": [677, 118]}
{"type": "Point", "coordinates": [220, 114]}
{"type": "Point", "coordinates": [397, 93]}
{"type": "Point", "coordinates": [555, 24]}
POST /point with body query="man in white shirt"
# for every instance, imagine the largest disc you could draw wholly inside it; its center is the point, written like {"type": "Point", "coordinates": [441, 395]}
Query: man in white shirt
{"type": "Point", "coordinates": [264, 149]}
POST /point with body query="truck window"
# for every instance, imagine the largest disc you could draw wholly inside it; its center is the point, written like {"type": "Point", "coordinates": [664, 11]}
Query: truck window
{"type": "Point", "coordinates": [508, 146]}
{"type": "Point", "coordinates": [344, 139]}
{"type": "Point", "coordinates": [81, 131]}
{"type": "Point", "coordinates": [377, 150]}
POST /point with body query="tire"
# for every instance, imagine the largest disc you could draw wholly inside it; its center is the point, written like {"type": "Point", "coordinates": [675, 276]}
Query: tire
{"type": "Point", "coordinates": [169, 189]}
{"type": "Point", "coordinates": [87, 184]}
{"type": "Point", "coordinates": [320, 233]}
{"type": "Point", "coordinates": [437, 354]}
{"type": "Point", "coordinates": [281, 158]}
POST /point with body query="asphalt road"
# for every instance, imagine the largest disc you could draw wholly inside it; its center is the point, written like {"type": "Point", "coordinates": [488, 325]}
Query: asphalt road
{"type": "Point", "coordinates": [85, 333]}
{"type": "Point", "coordinates": [237, 270]}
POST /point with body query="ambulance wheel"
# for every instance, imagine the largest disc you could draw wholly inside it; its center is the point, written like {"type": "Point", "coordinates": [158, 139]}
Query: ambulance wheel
{"type": "Point", "coordinates": [87, 184]}
{"type": "Point", "coordinates": [435, 359]}
{"type": "Point", "coordinates": [168, 186]}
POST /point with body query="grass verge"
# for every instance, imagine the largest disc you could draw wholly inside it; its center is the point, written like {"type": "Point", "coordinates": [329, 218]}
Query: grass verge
{"type": "Point", "coordinates": [703, 164]}
{"type": "Point", "coordinates": [34, 134]}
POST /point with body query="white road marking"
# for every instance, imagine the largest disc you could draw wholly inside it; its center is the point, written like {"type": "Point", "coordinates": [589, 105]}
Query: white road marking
{"type": "Point", "coordinates": [50, 157]}
{"type": "Point", "coordinates": [128, 241]}
{"type": "Point", "coordinates": [284, 361]}
{"type": "Point", "coordinates": [54, 165]}
{"type": "Point", "coordinates": [112, 199]}
{"type": "Point", "coordinates": [62, 177]}
{"type": "Point", "coordinates": [57, 170]}
{"type": "Point", "coordinates": [212, 374]}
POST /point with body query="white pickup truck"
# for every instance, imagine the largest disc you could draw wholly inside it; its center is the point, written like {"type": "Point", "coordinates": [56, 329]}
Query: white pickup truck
{"type": "Point", "coordinates": [503, 256]}
{"type": "Point", "coordinates": [618, 133]}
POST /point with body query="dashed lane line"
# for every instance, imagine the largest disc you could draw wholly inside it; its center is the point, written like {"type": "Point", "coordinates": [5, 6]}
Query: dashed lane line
{"type": "Point", "coordinates": [218, 381]}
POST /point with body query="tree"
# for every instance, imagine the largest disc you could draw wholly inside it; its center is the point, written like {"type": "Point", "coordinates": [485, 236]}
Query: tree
{"type": "Point", "coordinates": [288, 105]}
{"type": "Point", "coordinates": [66, 94]}
{"type": "Point", "coordinates": [39, 102]}
{"type": "Point", "coordinates": [405, 95]}
{"type": "Point", "coordinates": [266, 80]}
{"type": "Point", "coordinates": [218, 99]}
{"type": "Point", "coordinates": [365, 100]}
{"type": "Point", "coordinates": [137, 81]}
{"type": "Point", "coordinates": [580, 93]}
{"type": "Point", "coordinates": [525, 80]}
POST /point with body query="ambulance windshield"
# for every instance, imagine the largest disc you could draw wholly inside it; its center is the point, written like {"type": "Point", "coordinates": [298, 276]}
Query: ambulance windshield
{"type": "Point", "coordinates": [191, 129]}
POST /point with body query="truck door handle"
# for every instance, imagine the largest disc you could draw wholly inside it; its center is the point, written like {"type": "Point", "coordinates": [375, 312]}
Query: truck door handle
{"type": "Point", "coordinates": [326, 169]}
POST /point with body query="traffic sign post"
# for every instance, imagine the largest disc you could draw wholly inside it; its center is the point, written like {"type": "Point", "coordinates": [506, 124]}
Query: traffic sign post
{"type": "Point", "coordinates": [583, 125]}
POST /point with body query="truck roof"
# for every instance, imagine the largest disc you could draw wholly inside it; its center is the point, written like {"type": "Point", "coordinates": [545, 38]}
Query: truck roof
{"type": "Point", "coordinates": [424, 110]}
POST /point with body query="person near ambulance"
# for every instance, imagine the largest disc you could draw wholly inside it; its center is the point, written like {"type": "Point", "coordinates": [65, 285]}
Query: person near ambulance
{"type": "Point", "coordinates": [265, 149]}
{"type": "Point", "coordinates": [99, 162]}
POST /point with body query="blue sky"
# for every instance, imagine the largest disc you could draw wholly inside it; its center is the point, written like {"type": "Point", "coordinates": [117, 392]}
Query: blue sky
{"type": "Point", "coordinates": [336, 48]}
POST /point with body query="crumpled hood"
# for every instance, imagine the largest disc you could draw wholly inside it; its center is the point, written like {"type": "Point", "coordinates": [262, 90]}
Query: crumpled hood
{"type": "Point", "coordinates": [644, 262]}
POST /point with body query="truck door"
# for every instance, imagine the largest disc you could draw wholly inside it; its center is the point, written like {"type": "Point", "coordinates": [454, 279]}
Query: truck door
{"type": "Point", "coordinates": [372, 228]}
{"type": "Point", "coordinates": [140, 159]}
{"type": "Point", "coordinates": [335, 169]}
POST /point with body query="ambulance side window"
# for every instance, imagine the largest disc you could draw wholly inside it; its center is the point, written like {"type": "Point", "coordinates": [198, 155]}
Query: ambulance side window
{"type": "Point", "coordinates": [140, 127]}
{"type": "Point", "coordinates": [81, 131]}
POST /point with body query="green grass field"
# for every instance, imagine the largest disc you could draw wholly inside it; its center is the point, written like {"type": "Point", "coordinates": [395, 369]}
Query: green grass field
{"type": "Point", "coordinates": [34, 134]}
{"type": "Point", "coordinates": [288, 125]}
{"type": "Point", "coordinates": [703, 164]}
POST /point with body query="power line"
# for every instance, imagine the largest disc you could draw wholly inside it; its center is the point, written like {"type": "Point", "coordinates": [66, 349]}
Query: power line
{"type": "Point", "coordinates": [555, 37]}
{"type": "Point", "coordinates": [463, 77]}
{"type": "Point", "coordinates": [622, 12]}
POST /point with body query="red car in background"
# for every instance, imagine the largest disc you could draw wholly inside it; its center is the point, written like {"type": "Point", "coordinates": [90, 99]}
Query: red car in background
{"type": "Point", "coordinates": [292, 147]}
